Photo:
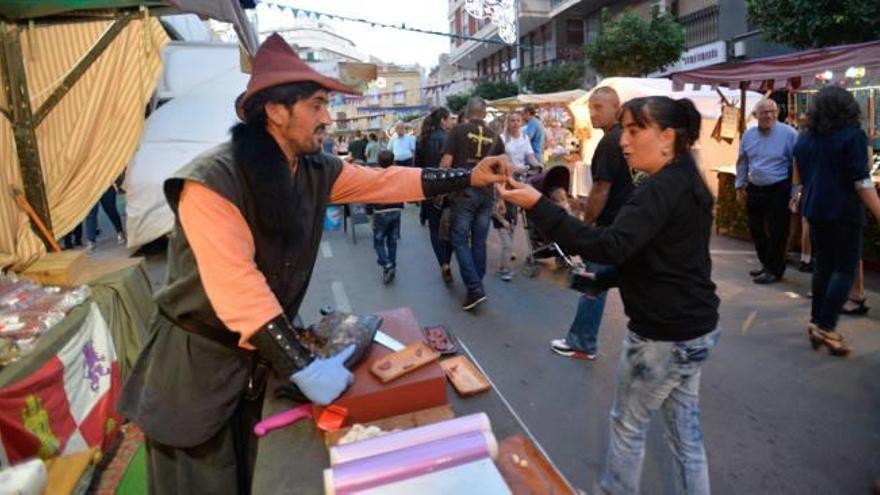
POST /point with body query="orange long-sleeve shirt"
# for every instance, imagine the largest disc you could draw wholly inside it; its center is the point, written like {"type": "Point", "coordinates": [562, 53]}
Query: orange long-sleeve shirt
{"type": "Point", "coordinates": [224, 248]}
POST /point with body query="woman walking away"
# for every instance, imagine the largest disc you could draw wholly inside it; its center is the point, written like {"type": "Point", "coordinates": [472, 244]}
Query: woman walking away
{"type": "Point", "coordinates": [832, 161]}
{"type": "Point", "coordinates": [429, 150]}
{"type": "Point", "coordinates": [660, 243]}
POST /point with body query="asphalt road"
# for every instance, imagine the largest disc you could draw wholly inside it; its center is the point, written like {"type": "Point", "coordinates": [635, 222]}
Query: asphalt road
{"type": "Point", "coordinates": [777, 417]}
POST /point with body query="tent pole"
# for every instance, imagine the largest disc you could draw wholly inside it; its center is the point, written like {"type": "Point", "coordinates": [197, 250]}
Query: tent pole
{"type": "Point", "coordinates": [16, 89]}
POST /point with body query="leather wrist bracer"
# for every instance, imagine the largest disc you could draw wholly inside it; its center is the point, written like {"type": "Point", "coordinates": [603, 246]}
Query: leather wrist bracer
{"type": "Point", "coordinates": [279, 343]}
{"type": "Point", "coordinates": [437, 181]}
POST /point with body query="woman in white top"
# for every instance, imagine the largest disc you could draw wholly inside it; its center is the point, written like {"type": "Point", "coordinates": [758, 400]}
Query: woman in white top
{"type": "Point", "coordinates": [517, 145]}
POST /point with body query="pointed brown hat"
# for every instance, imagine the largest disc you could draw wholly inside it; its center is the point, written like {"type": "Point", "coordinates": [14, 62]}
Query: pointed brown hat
{"type": "Point", "coordinates": [276, 63]}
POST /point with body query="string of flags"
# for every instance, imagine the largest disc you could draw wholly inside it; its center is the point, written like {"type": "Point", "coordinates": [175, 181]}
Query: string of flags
{"type": "Point", "coordinates": [508, 39]}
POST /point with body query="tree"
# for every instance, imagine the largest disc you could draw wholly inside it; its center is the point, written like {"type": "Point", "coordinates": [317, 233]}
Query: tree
{"type": "Point", "coordinates": [629, 46]}
{"type": "Point", "coordinates": [561, 77]}
{"type": "Point", "coordinates": [816, 23]}
{"type": "Point", "coordinates": [492, 90]}
{"type": "Point", "coordinates": [456, 102]}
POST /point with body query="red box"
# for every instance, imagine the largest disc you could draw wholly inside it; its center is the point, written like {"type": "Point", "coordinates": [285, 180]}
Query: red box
{"type": "Point", "coordinates": [368, 399]}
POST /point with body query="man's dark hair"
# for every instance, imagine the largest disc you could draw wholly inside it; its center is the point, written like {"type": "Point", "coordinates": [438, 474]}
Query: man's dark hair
{"type": "Point", "coordinates": [530, 111]}
{"type": "Point", "coordinates": [833, 109]}
{"type": "Point", "coordinates": [286, 94]}
{"type": "Point", "coordinates": [476, 108]}
{"type": "Point", "coordinates": [373, 136]}
{"type": "Point", "coordinates": [386, 158]}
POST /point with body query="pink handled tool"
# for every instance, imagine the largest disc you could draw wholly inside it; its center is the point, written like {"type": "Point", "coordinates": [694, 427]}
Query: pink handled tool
{"type": "Point", "coordinates": [283, 419]}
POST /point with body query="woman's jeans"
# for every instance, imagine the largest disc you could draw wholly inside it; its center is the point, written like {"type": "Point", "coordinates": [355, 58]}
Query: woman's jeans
{"type": "Point", "coordinates": [108, 203]}
{"type": "Point", "coordinates": [656, 375]}
{"type": "Point", "coordinates": [442, 249]}
{"type": "Point", "coordinates": [837, 249]}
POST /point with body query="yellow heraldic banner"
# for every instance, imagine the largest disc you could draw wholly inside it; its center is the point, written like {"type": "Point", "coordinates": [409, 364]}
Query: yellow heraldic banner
{"type": "Point", "coordinates": [88, 138]}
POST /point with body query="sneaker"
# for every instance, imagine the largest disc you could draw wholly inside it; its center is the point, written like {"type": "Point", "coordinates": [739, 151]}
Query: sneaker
{"type": "Point", "coordinates": [388, 275]}
{"type": "Point", "coordinates": [505, 275]}
{"type": "Point", "coordinates": [90, 247]}
{"type": "Point", "coordinates": [755, 273]}
{"type": "Point", "coordinates": [766, 278]}
{"type": "Point", "coordinates": [474, 298]}
{"type": "Point", "coordinates": [561, 347]}
{"type": "Point", "coordinates": [120, 238]}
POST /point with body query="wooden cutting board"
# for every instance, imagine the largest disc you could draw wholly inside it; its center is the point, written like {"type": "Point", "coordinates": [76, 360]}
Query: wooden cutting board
{"type": "Point", "coordinates": [402, 362]}
{"type": "Point", "coordinates": [465, 377]}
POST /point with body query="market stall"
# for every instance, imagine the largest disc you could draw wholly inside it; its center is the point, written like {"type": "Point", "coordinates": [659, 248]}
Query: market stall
{"type": "Point", "coordinates": [66, 351]}
{"type": "Point", "coordinates": [435, 451]}
{"type": "Point", "coordinates": [562, 134]}
{"type": "Point", "coordinates": [800, 75]}
{"type": "Point", "coordinates": [76, 78]}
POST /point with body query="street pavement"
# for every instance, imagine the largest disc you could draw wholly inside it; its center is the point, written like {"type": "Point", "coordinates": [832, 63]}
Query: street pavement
{"type": "Point", "coordinates": [777, 416]}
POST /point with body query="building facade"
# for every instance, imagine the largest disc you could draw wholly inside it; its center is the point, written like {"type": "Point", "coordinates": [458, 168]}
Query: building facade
{"type": "Point", "coordinates": [556, 31]}
{"type": "Point", "coordinates": [446, 79]}
{"type": "Point", "coordinates": [396, 93]}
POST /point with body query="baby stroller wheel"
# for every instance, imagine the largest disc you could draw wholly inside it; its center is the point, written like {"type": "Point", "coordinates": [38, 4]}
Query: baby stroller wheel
{"type": "Point", "coordinates": [529, 270]}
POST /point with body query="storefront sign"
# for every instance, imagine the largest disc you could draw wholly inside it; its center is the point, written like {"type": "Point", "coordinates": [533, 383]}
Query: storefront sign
{"type": "Point", "coordinates": [700, 56]}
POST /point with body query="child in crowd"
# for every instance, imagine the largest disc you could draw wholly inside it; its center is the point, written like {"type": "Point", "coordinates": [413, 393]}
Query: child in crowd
{"type": "Point", "coordinates": [504, 221]}
{"type": "Point", "coordinates": [386, 227]}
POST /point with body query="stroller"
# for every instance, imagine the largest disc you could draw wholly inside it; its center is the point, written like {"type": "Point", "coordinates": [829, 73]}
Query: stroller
{"type": "Point", "coordinates": [539, 247]}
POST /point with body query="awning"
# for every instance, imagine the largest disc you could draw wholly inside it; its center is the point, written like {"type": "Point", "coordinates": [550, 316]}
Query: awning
{"type": "Point", "coordinates": [221, 10]}
{"type": "Point", "coordinates": [791, 70]}
{"type": "Point", "coordinates": [512, 102]}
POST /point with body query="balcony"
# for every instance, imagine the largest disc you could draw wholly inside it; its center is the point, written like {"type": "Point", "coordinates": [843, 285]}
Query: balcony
{"type": "Point", "coordinates": [533, 13]}
{"type": "Point", "coordinates": [700, 27]}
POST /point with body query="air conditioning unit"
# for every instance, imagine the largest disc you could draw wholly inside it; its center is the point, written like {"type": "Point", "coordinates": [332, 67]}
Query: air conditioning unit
{"type": "Point", "coordinates": [739, 49]}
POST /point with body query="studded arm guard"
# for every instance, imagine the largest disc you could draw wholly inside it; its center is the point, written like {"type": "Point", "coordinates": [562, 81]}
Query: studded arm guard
{"type": "Point", "coordinates": [279, 343]}
{"type": "Point", "coordinates": [437, 181]}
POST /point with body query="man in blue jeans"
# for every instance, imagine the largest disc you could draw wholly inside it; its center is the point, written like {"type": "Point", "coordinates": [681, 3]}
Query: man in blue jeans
{"type": "Point", "coordinates": [612, 187]}
{"type": "Point", "coordinates": [467, 144]}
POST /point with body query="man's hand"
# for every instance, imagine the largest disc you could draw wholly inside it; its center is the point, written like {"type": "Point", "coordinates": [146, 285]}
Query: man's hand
{"type": "Point", "coordinates": [522, 195]}
{"type": "Point", "coordinates": [741, 197]}
{"type": "Point", "coordinates": [491, 170]}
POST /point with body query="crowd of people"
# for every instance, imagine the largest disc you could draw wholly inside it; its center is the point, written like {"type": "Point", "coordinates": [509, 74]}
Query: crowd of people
{"type": "Point", "coordinates": [823, 174]}
{"type": "Point", "coordinates": [248, 228]}
{"type": "Point", "coordinates": [650, 238]}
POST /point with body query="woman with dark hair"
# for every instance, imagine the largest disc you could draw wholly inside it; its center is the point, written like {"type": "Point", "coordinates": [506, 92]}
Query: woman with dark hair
{"type": "Point", "coordinates": [832, 160]}
{"type": "Point", "coordinates": [660, 243]}
{"type": "Point", "coordinates": [429, 150]}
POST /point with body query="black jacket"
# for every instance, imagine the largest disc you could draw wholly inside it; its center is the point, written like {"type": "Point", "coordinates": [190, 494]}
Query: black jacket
{"type": "Point", "coordinates": [660, 243]}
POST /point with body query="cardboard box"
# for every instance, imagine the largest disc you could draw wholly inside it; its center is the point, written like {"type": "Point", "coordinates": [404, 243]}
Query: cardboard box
{"type": "Point", "coordinates": [368, 399]}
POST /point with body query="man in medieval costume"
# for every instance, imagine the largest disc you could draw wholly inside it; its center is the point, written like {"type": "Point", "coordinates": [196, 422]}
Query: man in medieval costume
{"type": "Point", "coordinates": [248, 222]}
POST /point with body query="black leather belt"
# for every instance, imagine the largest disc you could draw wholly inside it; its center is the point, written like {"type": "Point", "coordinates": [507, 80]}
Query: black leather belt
{"type": "Point", "coordinates": [222, 336]}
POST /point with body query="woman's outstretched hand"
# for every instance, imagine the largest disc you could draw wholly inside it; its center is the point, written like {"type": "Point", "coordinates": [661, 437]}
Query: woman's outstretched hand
{"type": "Point", "coordinates": [522, 195]}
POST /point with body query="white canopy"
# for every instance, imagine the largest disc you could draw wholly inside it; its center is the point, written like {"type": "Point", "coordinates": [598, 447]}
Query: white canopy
{"type": "Point", "coordinates": [561, 97]}
{"type": "Point", "coordinates": [205, 84]}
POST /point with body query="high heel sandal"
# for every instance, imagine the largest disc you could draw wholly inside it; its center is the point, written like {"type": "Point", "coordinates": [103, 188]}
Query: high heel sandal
{"type": "Point", "coordinates": [834, 342]}
{"type": "Point", "coordinates": [858, 310]}
{"type": "Point", "coordinates": [816, 340]}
